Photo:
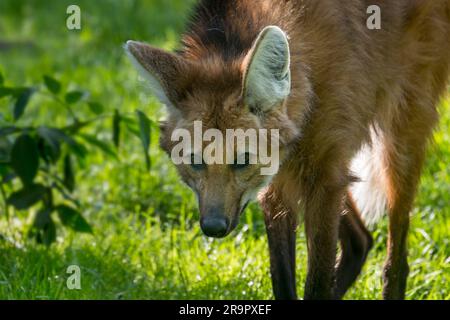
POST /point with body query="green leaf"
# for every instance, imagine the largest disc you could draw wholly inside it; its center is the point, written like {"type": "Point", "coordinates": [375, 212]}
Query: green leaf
{"type": "Point", "coordinates": [133, 130]}
{"type": "Point", "coordinates": [5, 131]}
{"type": "Point", "coordinates": [74, 96]}
{"type": "Point", "coordinates": [51, 148]}
{"type": "Point", "coordinates": [144, 129]}
{"type": "Point", "coordinates": [79, 150]}
{"type": "Point", "coordinates": [5, 150]}
{"type": "Point", "coordinates": [25, 158]}
{"type": "Point", "coordinates": [4, 92]}
{"type": "Point", "coordinates": [56, 134]}
{"type": "Point", "coordinates": [103, 146]}
{"type": "Point", "coordinates": [27, 197]}
{"type": "Point", "coordinates": [1, 79]}
{"type": "Point", "coordinates": [96, 108]}
{"type": "Point", "coordinates": [49, 233]}
{"type": "Point", "coordinates": [49, 153]}
{"type": "Point", "coordinates": [53, 135]}
{"type": "Point", "coordinates": [7, 176]}
{"type": "Point", "coordinates": [73, 219]}
{"type": "Point", "coordinates": [132, 126]}
{"type": "Point", "coordinates": [42, 218]}
{"type": "Point", "coordinates": [53, 85]}
{"type": "Point", "coordinates": [69, 176]}
{"type": "Point", "coordinates": [116, 128]}
{"type": "Point", "coordinates": [44, 227]}
{"type": "Point", "coordinates": [63, 191]}
{"type": "Point", "coordinates": [5, 171]}
{"type": "Point", "coordinates": [22, 102]}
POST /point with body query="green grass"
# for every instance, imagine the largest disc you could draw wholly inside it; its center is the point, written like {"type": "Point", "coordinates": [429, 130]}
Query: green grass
{"type": "Point", "coordinates": [147, 243]}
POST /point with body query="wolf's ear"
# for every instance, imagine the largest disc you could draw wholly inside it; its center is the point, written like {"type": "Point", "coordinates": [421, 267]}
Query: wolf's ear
{"type": "Point", "coordinates": [267, 77]}
{"type": "Point", "coordinates": [160, 68]}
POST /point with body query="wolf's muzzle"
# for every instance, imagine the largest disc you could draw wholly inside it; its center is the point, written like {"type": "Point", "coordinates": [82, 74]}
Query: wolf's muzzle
{"type": "Point", "coordinates": [215, 226]}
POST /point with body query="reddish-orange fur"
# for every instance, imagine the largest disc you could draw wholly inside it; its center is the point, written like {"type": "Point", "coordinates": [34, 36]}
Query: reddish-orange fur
{"type": "Point", "coordinates": [347, 81]}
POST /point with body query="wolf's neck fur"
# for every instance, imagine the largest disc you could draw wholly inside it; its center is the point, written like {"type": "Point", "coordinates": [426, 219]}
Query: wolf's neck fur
{"type": "Point", "coordinates": [228, 28]}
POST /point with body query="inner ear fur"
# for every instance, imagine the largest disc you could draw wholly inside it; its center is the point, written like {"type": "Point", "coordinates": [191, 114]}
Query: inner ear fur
{"type": "Point", "coordinates": [267, 78]}
{"type": "Point", "coordinates": [160, 68]}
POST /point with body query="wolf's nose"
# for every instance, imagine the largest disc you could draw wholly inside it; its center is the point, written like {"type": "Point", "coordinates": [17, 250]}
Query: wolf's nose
{"type": "Point", "coordinates": [214, 226]}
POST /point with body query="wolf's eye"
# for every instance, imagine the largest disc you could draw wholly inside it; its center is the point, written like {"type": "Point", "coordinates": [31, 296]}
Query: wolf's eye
{"type": "Point", "coordinates": [236, 165]}
{"type": "Point", "coordinates": [197, 166]}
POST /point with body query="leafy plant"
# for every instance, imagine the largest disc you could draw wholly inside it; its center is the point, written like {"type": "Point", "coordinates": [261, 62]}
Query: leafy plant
{"type": "Point", "coordinates": [38, 162]}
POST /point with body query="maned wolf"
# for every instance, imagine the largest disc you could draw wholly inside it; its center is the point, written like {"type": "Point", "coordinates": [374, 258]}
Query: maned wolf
{"type": "Point", "coordinates": [355, 108]}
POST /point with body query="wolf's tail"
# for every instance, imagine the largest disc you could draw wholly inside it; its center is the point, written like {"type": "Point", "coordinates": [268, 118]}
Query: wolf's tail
{"type": "Point", "coordinates": [369, 192]}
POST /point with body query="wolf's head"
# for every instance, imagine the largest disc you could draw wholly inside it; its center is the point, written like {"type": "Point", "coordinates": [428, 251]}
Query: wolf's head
{"type": "Point", "coordinates": [247, 93]}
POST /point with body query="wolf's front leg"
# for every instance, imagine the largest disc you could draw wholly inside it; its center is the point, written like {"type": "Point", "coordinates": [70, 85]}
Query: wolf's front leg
{"type": "Point", "coordinates": [323, 204]}
{"type": "Point", "coordinates": [281, 224]}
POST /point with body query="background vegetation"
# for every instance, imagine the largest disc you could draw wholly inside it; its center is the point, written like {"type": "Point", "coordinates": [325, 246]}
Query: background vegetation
{"type": "Point", "coordinates": [142, 239]}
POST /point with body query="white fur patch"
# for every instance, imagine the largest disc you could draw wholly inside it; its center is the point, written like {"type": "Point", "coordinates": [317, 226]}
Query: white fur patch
{"type": "Point", "coordinates": [268, 78]}
{"type": "Point", "coordinates": [369, 194]}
